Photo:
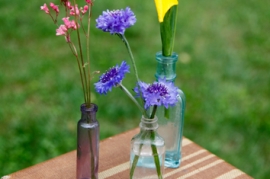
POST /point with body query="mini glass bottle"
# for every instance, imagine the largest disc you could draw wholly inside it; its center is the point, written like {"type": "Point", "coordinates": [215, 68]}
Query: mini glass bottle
{"type": "Point", "coordinates": [171, 121]}
{"type": "Point", "coordinates": [147, 152]}
{"type": "Point", "coordinates": [87, 143]}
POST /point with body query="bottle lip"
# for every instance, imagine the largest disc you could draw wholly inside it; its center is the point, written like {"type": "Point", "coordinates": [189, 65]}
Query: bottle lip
{"type": "Point", "coordinates": [160, 58]}
{"type": "Point", "coordinates": [145, 119]}
{"type": "Point", "coordinates": [149, 124]}
{"type": "Point", "coordinates": [93, 108]}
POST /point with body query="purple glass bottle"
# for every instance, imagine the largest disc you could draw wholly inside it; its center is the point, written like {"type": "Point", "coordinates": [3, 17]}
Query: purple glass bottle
{"type": "Point", "coordinates": [88, 143]}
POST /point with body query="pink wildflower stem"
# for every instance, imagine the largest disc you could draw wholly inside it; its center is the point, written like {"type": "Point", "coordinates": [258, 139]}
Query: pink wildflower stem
{"type": "Point", "coordinates": [85, 82]}
{"type": "Point", "coordinates": [74, 51]}
{"type": "Point", "coordinates": [83, 28]}
{"type": "Point", "coordinates": [88, 45]}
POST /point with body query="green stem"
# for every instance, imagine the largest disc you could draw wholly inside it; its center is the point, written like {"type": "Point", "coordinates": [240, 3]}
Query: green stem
{"type": "Point", "coordinates": [88, 53]}
{"type": "Point", "coordinates": [88, 102]}
{"type": "Point", "coordinates": [78, 62]}
{"type": "Point", "coordinates": [154, 147]}
{"type": "Point", "coordinates": [82, 61]}
{"type": "Point", "coordinates": [134, 163]}
{"type": "Point", "coordinates": [136, 158]}
{"type": "Point", "coordinates": [131, 55]}
{"type": "Point", "coordinates": [92, 156]}
{"type": "Point", "coordinates": [167, 32]}
{"type": "Point", "coordinates": [155, 155]}
{"type": "Point", "coordinates": [122, 87]}
{"type": "Point", "coordinates": [133, 63]}
{"type": "Point", "coordinates": [167, 113]}
{"type": "Point", "coordinates": [153, 112]}
{"type": "Point", "coordinates": [89, 87]}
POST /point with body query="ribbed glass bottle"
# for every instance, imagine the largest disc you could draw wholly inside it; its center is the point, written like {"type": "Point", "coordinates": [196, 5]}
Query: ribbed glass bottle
{"type": "Point", "coordinates": [88, 143]}
{"type": "Point", "coordinates": [171, 121]}
{"type": "Point", "coordinates": [147, 152]}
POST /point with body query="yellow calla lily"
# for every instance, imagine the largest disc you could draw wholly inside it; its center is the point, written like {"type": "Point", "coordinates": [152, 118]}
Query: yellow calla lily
{"type": "Point", "coordinates": [163, 6]}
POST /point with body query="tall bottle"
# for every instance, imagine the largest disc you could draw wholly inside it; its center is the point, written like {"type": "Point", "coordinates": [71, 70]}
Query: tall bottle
{"type": "Point", "coordinates": [88, 143]}
{"type": "Point", "coordinates": [171, 120]}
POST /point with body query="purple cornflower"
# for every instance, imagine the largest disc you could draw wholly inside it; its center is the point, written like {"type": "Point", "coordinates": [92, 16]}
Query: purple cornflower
{"type": "Point", "coordinates": [111, 78]}
{"type": "Point", "coordinates": [159, 93]}
{"type": "Point", "coordinates": [116, 21]}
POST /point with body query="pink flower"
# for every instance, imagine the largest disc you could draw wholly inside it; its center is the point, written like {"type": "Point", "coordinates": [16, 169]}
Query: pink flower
{"type": "Point", "coordinates": [69, 24]}
{"type": "Point", "coordinates": [61, 30]}
{"type": "Point", "coordinates": [73, 25]}
{"type": "Point", "coordinates": [74, 10]}
{"type": "Point", "coordinates": [88, 1]}
{"type": "Point", "coordinates": [54, 7]}
{"type": "Point", "coordinates": [67, 37]}
{"type": "Point", "coordinates": [66, 22]}
{"type": "Point", "coordinates": [68, 4]}
{"type": "Point", "coordinates": [84, 9]}
{"type": "Point", "coordinates": [45, 8]}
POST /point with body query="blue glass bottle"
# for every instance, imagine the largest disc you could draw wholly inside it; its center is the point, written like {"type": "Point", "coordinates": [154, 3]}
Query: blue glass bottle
{"type": "Point", "coordinates": [171, 121]}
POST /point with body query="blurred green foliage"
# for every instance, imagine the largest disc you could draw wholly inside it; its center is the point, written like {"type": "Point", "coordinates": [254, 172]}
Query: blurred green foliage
{"type": "Point", "coordinates": [223, 68]}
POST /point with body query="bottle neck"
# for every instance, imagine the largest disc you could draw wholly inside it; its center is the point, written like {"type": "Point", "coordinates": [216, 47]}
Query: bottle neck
{"type": "Point", "coordinates": [149, 124]}
{"type": "Point", "coordinates": [166, 66]}
{"type": "Point", "coordinates": [88, 114]}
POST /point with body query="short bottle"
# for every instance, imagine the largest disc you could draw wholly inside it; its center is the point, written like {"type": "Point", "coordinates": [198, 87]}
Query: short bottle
{"type": "Point", "coordinates": [147, 152]}
{"type": "Point", "coordinates": [171, 120]}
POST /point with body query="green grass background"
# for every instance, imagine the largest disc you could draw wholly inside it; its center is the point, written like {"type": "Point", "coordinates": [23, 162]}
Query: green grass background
{"type": "Point", "coordinates": [223, 68]}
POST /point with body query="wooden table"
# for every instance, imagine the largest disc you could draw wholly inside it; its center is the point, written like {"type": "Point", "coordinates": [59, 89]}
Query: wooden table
{"type": "Point", "coordinates": [114, 163]}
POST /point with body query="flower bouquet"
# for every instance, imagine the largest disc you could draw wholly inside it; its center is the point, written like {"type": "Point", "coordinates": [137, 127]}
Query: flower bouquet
{"type": "Point", "coordinates": [147, 148]}
{"type": "Point", "coordinates": [88, 127]}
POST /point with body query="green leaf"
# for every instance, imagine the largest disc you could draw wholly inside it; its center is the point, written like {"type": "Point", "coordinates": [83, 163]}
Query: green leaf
{"type": "Point", "coordinates": [167, 31]}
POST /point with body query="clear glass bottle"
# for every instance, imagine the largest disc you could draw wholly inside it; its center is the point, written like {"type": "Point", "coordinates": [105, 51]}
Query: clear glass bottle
{"type": "Point", "coordinates": [87, 143]}
{"type": "Point", "coordinates": [147, 152]}
{"type": "Point", "coordinates": [171, 121]}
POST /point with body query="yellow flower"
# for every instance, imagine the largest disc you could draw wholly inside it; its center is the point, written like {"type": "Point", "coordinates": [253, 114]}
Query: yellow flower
{"type": "Point", "coordinates": [163, 6]}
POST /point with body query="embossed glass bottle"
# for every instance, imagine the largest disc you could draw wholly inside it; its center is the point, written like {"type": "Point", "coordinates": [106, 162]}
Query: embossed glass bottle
{"type": "Point", "coordinates": [87, 143]}
{"type": "Point", "coordinates": [147, 151]}
{"type": "Point", "coordinates": [171, 121]}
